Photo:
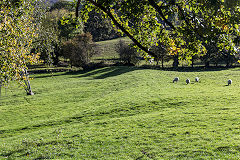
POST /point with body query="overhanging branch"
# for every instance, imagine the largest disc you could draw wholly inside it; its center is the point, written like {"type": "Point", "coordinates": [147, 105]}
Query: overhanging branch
{"type": "Point", "coordinates": [110, 15]}
{"type": "Point", "coordinates": [159, 10]}
{"type": "Point", "coordinates": [77, 6]}
{"type": "Point", "coordinates": [188, 22]}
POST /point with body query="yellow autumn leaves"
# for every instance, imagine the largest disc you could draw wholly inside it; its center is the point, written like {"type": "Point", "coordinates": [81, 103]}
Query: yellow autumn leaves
{"type": "Point", "coordinates": [17, 32]}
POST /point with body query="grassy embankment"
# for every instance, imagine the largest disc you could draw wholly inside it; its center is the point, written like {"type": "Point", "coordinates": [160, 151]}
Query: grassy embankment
{"type": "Point", "coordinates": [107, 50]}
{"type": "Point", "coordinates": [123, 113]}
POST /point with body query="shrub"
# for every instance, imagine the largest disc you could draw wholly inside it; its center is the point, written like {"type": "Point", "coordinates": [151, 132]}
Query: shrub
{"type": "Point", "coordinates": [79, 50]}
{"type": "Point", "coordinates": [128, 55]}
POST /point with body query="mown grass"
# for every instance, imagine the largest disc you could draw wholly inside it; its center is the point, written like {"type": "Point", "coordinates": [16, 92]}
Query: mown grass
{"type": "Point", "coordinates": [123, 113]}
{"type": "Point", "coordinates": [108, 55]}
{"type": "Point", "coordinates": [107, 50]}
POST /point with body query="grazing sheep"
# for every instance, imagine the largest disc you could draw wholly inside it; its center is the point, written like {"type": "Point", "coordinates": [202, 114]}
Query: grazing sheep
{"type": "Point", "coordinates": [229, 82]}
{"type": "Point", "coordinates": [196, 79]}
{"type": "Point", "coordinates": [176, 79]}
{"type": "Point", "coordinates": [187, 81]}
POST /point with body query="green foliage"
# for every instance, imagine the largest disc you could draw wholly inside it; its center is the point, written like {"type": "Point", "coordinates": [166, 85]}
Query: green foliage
{"type": "Point", "coordinates": [69, 26]}
{"type": "Point", "coordinates": [17, 32]}
{"type": "Point", "coordinates": [48, 33]}
{"type": "Point", "coordinates": [229, 58]}
{"type": "Point", "coordinates": [100, 27]}
{"type": "Point", "coordinates": [55, 27]}
{"type": "Point", "coordinates": [123, 113]}
{"type": "Point", "coordinates": [186, 26]}
{"type": "Point", "coordinates": [79, 50]}
{"type": "Point", "coordinates": [61, 4]}
{"type": "Point", "coordinates": [128, 55]}
{"type": "Point", "coordinates": [161, 54]}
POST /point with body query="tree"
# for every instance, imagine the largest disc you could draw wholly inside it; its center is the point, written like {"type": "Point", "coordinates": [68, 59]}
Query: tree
{"type": "Point", "coordinates": [61, 4]}
{"type": "Point", "coordinates": [48, 33]}
{"type": "Point", "coordinates": [79, 50]}
{"type": "Point", "coordinates": [161, 54]}
{"type": "Point", "coordinates": [53, 31]}
{"type": "Point", "coordinates": [69, 27]}
{"type": "Point", "coordinates": [17, 32]}
{"type": "Point", "coordinates": [185, 24]}
{"type": "Point", "coordinates": [100, 27]}
{"type": "Point", "coordinates": [228, 58]}
{"type": "Point", "coordinates": [127, 53]}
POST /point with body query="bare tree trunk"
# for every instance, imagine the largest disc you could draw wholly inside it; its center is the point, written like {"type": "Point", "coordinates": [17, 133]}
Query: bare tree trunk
{"type": "Point", "coordinates": [228, 60]}
{"type": "Point", "coordinates": [207, 64]}
{"type": "Point", "coordinates": [162, 62]}
{"type": "Point", "coordinates": [27, 83]}
{"type": "Point", "coordinates": [192, 61]}
{"type": "Point", "coordinates": [175, 61]}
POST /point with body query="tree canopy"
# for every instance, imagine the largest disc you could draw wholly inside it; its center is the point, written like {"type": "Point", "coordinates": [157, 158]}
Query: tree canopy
{"type": "Point", "coordinates": [17, 33]}
{"type": "Point", "coordinates": [186, 26]}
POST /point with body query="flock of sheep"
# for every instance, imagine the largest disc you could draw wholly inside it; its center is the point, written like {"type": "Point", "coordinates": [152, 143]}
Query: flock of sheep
{"type": "Point", "coordinates": [176, 79]}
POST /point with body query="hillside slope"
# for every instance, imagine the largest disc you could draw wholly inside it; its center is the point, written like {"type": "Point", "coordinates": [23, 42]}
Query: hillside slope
{"type": "Point", "coordinates": [123, 113]}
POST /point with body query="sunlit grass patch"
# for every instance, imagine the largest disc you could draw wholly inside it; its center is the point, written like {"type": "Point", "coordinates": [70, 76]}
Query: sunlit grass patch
{"type": "Point", "coordinates": [123, 113]}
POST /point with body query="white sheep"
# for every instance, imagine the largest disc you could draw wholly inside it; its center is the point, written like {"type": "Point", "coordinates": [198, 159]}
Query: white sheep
{"type": "Point", "coordinates": [229, 82]}
{"type": "Point", "coordinates": [176, 79]}
{"type": "Point", "coordinates": [196, 79]}
{"type": "Point", "coordinates": [187, 81]}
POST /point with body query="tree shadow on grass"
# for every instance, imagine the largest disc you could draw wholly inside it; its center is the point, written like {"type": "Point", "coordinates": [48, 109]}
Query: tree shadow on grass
{"type": "Point", "coordinates": [111, 71]}
{"type": "Point", "coordinates": [196, 69]}
{"type": "Point", "coordinates": [108, 72]}
{"type": "Point", "coordinates": [100, 73]}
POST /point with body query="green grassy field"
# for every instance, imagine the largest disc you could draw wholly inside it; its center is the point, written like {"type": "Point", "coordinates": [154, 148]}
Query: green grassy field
{"type": "Point", "coordinates": [107, 50]}
{"type": "Point", "coordinates": [108, 55]}
{"type": "Point", "coordinates": [123, 113]}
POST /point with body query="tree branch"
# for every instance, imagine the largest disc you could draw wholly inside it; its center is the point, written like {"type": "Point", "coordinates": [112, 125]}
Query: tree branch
{"type": "Point", "coordinates": [110, 15]}
{"type": "Point", "coordinates": [187, 22]}
{"type": "Point", "coordinates": [77, 6]}
{"type": "Point", "coordinates": [159, 10]}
